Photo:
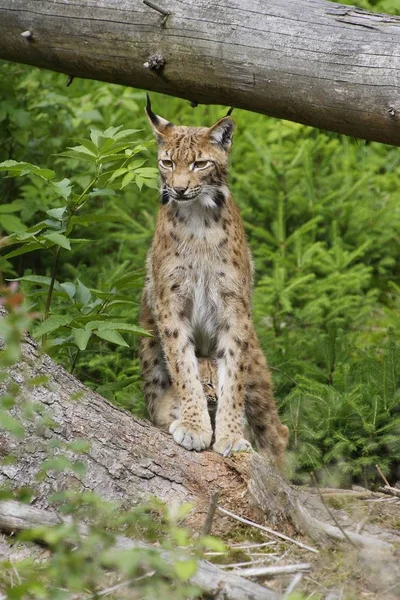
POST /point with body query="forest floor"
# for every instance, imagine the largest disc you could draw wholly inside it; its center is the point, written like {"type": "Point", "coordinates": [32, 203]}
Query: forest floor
{"type": "Point", "coordinates": [340, 573]}
{"type": "Point", "coordinates": [319, 573]}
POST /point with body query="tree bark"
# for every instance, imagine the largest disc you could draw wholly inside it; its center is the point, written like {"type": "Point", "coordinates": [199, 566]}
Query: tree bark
{"type": "Point", "coordinates": [315, 62]}
{"type": "Point", "coordinates": [129, 460]}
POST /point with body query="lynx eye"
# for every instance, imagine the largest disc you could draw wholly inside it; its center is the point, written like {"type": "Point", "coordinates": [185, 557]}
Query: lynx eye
{"type": "Point", "coordinates": [166, 164]}
{"type": "Point", "coordinates": [202, 164]}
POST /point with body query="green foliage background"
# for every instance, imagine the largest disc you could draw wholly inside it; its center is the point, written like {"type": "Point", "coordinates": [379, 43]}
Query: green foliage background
{"type": "Point", "coordinates": [322, 213]}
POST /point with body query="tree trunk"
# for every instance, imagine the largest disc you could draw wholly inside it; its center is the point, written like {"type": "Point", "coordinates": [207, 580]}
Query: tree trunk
{"type": "Point", "coordinates": [129, 460]}
{"type": "Point", "coordinates": [311, 61]}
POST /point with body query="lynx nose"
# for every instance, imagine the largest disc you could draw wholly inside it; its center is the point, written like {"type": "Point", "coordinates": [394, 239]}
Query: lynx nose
{"type": "Point", "coordinates": [179, 191]}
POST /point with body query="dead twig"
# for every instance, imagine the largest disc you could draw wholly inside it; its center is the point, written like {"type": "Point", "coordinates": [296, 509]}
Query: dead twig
{"type": "Point", "coordinates": [272, 571]}
{"type": "Point", "coordinates": [159, 9]}
{"type": "Point", "coordinates": [377, 467]}
{"type": "Point", "coordinates": [250, 546]}
{"type": "Point", "coordinates": [210, 514]}
{"type": "Point", "coordinates": [294, 583]}
{"type": "Point", "coordinates": [268, 530]}
{"type": "Point", "coordinates": [329, 492]}
{"type": "Point", "coordinates": [245, 564]}
{"type": "Point", "coordinates": [331, 514]}
{"type": "Point", "coordinates": [392, 491]}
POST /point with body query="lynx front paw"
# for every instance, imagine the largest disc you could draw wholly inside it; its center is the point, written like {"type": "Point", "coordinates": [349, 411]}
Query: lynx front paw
{"type": "Point", "coordinates": [227, 445]}
{"type": "Point", "coordinates": [191, 437]}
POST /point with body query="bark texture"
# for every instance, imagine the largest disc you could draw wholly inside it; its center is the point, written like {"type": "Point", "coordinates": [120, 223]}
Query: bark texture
{"type": "Point", "coordinates": [315, 62]}
{"type": "Point", "coordinates": [129, 460]}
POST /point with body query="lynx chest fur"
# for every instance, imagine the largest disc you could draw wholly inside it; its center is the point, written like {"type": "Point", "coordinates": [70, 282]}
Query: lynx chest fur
{"type": "Point", "coordinates": [196, 301]}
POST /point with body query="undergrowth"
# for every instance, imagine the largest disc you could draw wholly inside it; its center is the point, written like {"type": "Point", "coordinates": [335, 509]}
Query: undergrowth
{"type": "Point", "coordinates": [322, 214]}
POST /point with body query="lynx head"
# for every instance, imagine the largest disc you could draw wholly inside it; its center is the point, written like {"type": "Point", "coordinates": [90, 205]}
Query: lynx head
{"type": "Point", "coordinates": [193, 161]}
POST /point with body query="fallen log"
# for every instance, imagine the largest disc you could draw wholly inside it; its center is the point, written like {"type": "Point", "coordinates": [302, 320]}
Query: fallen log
{"type": "Point", "coordinates": [17, 517]}
{"type": "Point", "coordinates": [129, 460]}
{"type": "Point", "coordinates": [315, 62]}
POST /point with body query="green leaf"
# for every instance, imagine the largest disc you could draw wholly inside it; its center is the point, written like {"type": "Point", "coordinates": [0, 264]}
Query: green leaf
{"type": "Point", "coordinates": [212, 543]}
{"type": "Point", "coordinates": [179, 535]}
{"type": "Point", "coordinates": [38, 279]}
{"type": "Point", "coordinates": [102, 192]}
{"type": "Point", "coordinates": [139, 148]}
{"type": "Point", "coordinates": [89, 145]}
{"type": "Point", "coordinates": [57, 463]}
{"type": "Point", "coordinates": [83, 294]}
{"type": "Point", "coordinates": [17, 169]}
{"type": "Point", "coordinates": [11, 424]}
{"type": "Point", "coordinates": [128, 279]}
{"type": "Point", "coordinates": [82, 446]}
{"type": "Point", "coordinates": [110, 157]}
{"type": "Point", "coordinates": [125, 133]}
{"type": "Point", "coordinates": [81, 337]}
{"type": "Point", "coordinates": [24, 249]}
{"type": "Point", "coordinates": [68, 287]}
{"type": "Point", "coordinates": [125, 327]}
{"type": "Point", "coordinates": [64, 188]}
{"type": "Point", "coordinates": [139, 182]}
{"type": "Point", "coordinates": [135, 164]}
{"type": "Point", "coordinates": [185, 569]}
{"type": "Point", "coordinates": [11, 208]}
{"type": "Point", "coordinates": [118, 173]}
{"type": "Point", "coordinates": [95, 135]}
{"type": "Point", "coordinates": [127, 179]}
{"type": "Point", "coordinates": [111, 131]}
{"type": "Point", "coordinates": [79, 156]}
{"type": "Point", "coordinates": [151, 183]}
{"type": "Point", "coordinates": [148, 172]}
{"type": "Point", "coordinates": [116, 385]}
{"type": "Point", "coordinates": [11, 223]}
{"type": "Point", "coordinates": [82, 149]}
{"type": "Point", "coordinates": [79, 468]}
{"type": "Point", "coordinates": [59, 239]}
{"type": "Point", "coordinates": [113, 337]}
{"type": "Point", "coordinates": [38, 380]}
{"type": "Point", "coordinates": [31, 231]}
{"type": "Point", "coordinates": [51, 324]}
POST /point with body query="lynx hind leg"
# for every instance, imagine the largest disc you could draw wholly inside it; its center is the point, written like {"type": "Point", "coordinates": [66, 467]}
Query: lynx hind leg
{"type": "Point", "coordinates": [162, 403]}
{"type": "Point", "coordinates": [261, 411]}
{"type": "Point", "coordinates": [168, 409]}
{"type": "Point", "coordinates": [208, 378]}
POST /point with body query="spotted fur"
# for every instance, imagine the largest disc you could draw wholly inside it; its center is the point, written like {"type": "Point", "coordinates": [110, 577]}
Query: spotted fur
{"type": "Point", "coordinates": [196, 301]}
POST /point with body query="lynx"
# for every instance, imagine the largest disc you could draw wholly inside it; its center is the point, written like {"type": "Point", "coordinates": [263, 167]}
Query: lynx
{"type": "Point", "coordinates": [196, 302]}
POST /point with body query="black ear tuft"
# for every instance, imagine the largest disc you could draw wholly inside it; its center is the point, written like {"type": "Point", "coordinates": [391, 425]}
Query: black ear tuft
{"type": "Point", "coordinates": [158, 124]}
{"type": "Point", "coordinates": [230, 111]}
{"type": "Point", "coordinates": [152, 116]}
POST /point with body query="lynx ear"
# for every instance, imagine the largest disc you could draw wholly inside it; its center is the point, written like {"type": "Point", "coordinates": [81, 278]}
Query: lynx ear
{"type": "Point", "coordinates": [221, 133]}
{"type": "Point", "coordinates": [158, 124]}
